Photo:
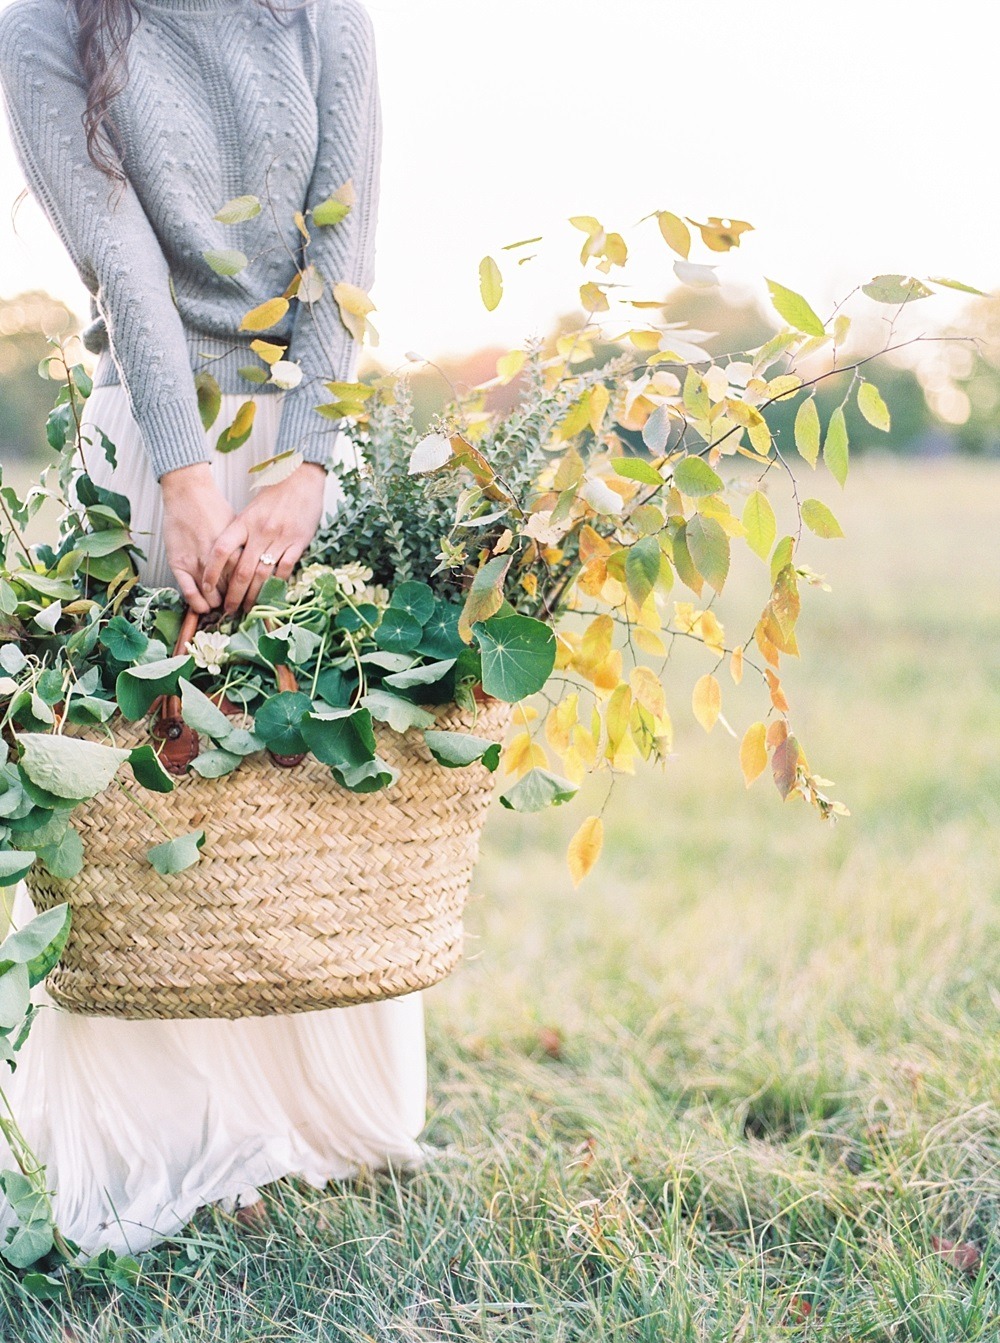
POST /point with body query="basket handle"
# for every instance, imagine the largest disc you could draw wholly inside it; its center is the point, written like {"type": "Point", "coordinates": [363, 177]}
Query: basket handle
{"type": "Point", "coordinates": [180, 741]}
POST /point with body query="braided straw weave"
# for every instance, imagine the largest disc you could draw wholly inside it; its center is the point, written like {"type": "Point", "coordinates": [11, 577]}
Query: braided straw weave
{"type": "Point", "coordinates": [306, 895]}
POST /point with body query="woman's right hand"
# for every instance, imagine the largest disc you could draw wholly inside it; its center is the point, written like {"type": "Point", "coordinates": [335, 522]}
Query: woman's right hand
{"type": "Point", "coordinates": [195, 514]}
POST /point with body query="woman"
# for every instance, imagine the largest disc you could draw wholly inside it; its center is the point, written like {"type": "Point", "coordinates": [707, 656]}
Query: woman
{"type": "Point", "coordinates": [134, 123]}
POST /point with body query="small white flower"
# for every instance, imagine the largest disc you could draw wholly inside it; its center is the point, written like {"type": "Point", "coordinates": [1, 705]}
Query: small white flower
{"type": "Point", "coordinates": [352, 578]}
{"type": "Point", "coordinates": [209, 650]}
{"type": "Point", "coordinates": [376, 594]}
{"type": "Point", "coordinates": [305, 580]}
{"type": "Point", "coordinates": [285, 373]}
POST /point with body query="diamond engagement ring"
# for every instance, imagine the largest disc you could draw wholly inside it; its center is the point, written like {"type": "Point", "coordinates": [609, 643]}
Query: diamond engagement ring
{"type": "Point", "coordinates": [268, 558]}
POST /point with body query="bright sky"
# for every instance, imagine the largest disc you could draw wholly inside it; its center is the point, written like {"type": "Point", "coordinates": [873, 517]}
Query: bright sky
{"type": "Point", "coordinates": [858, 137]}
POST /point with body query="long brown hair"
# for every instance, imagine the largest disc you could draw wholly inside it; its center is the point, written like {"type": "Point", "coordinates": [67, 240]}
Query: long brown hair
{"type": "Point", "coordinates": [104, 30]}
{"type": "Point", "coordinates": [105, 27]}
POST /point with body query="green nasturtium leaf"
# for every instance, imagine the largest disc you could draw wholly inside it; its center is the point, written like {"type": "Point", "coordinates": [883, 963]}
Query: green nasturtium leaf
{"type": "Point", "coordinates": [14, 863]}
{"type": "Point", "coordinates": [277, 722]}
{"type": "Point", "coordinates": [69, 767]}
{"type": "Point", "coordinates": [429, 673]}
{"type": "Point", "coordinates": [369, 777]}
{"type": "Point", "coordinates": [38, 945]}
{"type": "Point", "coordinates": [441, 638]}
{"type": "Point", "coordinates": [795, 310]}
{"type": "Point", "coordinates": [215, 764]}
{"type": "Point", "coordinates": [400, 714]}
{"type": "Point", "coordinates": [123, 640]}
{"type": "Point", "coordinates": [819, 519]}
{"type": "Point", "coordinates": [137, 687]}
{"type": "Point", "coordinates": [538, 789]}
{"type": "Point", "coordinates": [455, 750]}
{"type": "Point", "coordinates": [344, 739]}
{"type": "Point", "coordinates": [836, 448]}
{"type": "Point", "coordinates": [415, 598]}
{"type": "Point", "coordinates": [33, 1237]}
{"type": "Point", "coordinates": [176, 855]}
{"type": "Point", "coordinates": [200, 713]}
{"type": "Point", "coordinates": [695, 478]}
{"type": "Point", "coordinates": [43, 1287]}
{"type": "Point", "coordinates": [398, 631]}
{"type": "Point", "coordinates": [148, 770]}
{"type": "Point", "coordinates": [64, 859]}
{"type": "Point", "coordinates": [518, 656]}
{"type": "Point", "coordinates": [15, 996]}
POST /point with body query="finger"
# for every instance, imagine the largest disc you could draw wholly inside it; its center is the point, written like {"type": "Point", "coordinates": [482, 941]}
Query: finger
{"type": "Point", "coordinates": [289, 560]}
{"type": "Point", "coordinates": [243, 576]}
{"type": "Point", "coordinates": [234, 536]}
{"type": "Point", "coordinates": [261, 575]}
{"type": "Point", "coordinates": [191, 592]}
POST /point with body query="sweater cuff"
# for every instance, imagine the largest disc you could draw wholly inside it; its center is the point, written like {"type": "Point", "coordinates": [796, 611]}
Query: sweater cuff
{"type": "Point", "coordinates": [174, 436]}
{"type": "Point", "coordinates": [302, 429]}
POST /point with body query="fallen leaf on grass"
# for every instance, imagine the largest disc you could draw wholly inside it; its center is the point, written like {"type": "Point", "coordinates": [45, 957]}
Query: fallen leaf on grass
{"type": "Point", "coordinates": [551, 1041]}
{"type": "Point", "coordinates": [960, 1254]}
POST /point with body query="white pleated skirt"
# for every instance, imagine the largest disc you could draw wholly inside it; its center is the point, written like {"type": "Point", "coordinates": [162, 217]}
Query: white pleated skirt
{"type": "Point", "coordinates": [140, 1123]}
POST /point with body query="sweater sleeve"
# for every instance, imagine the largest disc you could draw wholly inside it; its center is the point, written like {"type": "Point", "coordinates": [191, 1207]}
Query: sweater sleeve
{"type": "Point", "coordinates": [103, 227]}
{"type": "Point", "coordinates": [349, 148]}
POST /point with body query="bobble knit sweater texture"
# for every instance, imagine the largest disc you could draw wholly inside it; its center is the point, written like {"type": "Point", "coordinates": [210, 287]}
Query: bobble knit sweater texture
{"type": "Point", "coordinates": [223, 99]}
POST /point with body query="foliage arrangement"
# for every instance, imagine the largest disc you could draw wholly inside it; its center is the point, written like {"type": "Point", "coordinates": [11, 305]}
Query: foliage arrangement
{"type": "Point", "coordinates": [537, 552]}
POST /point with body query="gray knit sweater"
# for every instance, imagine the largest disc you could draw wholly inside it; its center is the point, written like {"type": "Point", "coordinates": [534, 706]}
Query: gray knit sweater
{"type": "Point", "coordinates": [222, 100]}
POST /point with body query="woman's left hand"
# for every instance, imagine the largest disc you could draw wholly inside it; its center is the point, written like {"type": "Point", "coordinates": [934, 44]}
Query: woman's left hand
{"type": "Point", "coordinates": [268, 537]}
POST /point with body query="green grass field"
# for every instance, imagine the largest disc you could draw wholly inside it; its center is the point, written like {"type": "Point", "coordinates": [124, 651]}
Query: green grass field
{"type": "Point", "coordinates": [741, 1084]}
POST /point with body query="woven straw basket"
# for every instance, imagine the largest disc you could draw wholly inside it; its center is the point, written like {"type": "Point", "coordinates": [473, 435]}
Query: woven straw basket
{"type": "Point", "coordinates": [306, 895]}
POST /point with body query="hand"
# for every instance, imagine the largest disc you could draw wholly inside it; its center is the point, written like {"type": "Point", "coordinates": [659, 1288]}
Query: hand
{"type": "Point", "coordinates": [279, 522]}
{"type": "Point", "coordinates": [195, 512]}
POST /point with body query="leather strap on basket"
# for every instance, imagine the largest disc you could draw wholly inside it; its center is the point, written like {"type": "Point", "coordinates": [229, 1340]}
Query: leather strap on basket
{"type": "Point", "coordinates": [180, 741]}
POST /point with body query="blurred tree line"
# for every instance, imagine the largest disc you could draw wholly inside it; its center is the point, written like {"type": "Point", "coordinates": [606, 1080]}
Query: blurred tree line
{"type": "Point", "coordinates": [950, 402]}
{"type": "Point", "coordinates": [25, 397]}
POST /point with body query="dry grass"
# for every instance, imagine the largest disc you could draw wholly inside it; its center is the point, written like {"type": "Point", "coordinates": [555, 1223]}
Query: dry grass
{"type": "Point", "coordinates": [733, 1087]}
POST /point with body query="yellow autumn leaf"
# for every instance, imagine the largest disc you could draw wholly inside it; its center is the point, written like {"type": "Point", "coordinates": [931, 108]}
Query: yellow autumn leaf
{"type": "Point", "coordinates": [585, 848]}
{"type": "Point", "coordinates": [649, 642]}
{"type": "Point", "coordinates": [600, 399]}
{"type": "Point", "coordinates": [648, 691]}
{"type": "Point", "coordinates": [711, 631]}
{"type": "Point", "coordinates": [264, 315]}
{"type": "Point", "coordinates": [525, 714]}
{"type": "Point", "coordinates": [510, 365]}
{"type": "Point", "coordinates": [593, 298]}
{"type": "Point", "coordinates": [706, 701]}
{"type": "Point", "coordinates": [522, 755]}
{"type": "Point", "coordinates": [736, 665]}
{"type": "Point", "coordinates": [490, 283]}
{"type": "Point", "coordinates": [586, 742]}
{"type": "Point", "coordinates": [355, 305]}
{"type": "Point", "coordinates": [753, 752]}
{"type": "Point", "coordinates": [561, 721]}
{"type": "Point", "coordinates": [268, 352]}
